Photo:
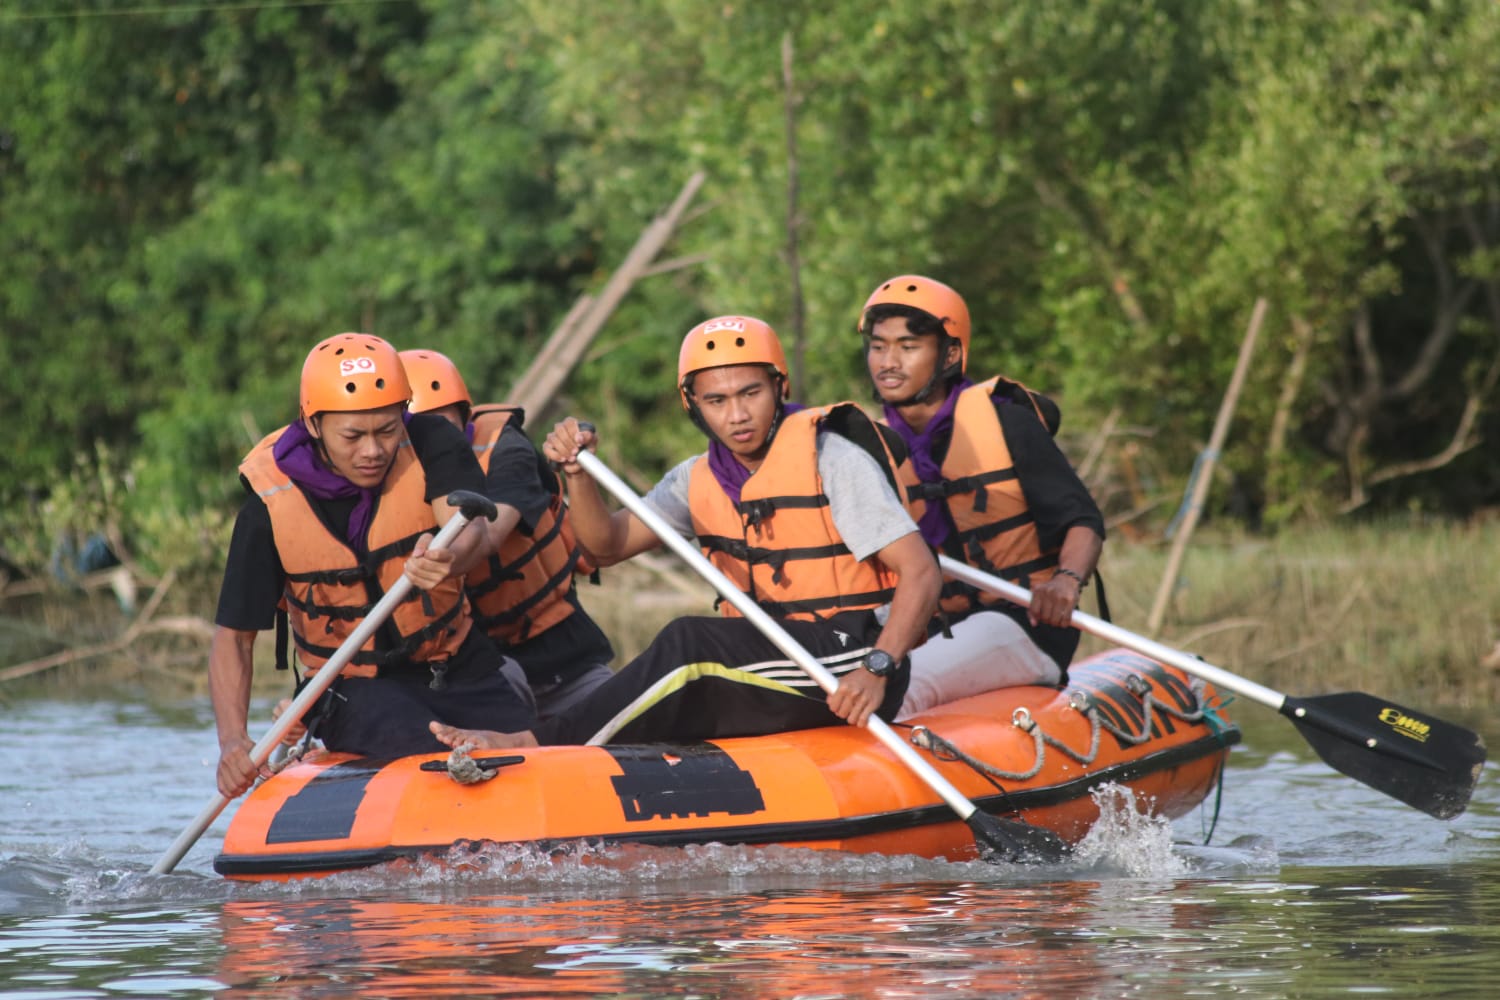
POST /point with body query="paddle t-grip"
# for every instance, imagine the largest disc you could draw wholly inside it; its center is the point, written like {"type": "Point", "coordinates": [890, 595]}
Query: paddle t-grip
{"type": "Point", "coordinates": [472, 505]}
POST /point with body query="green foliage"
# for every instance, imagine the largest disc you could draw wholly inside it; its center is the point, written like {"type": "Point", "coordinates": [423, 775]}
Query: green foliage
{"type": "Point", "coordinates": [102, 495]}
{"type": "Point", "coordinates": [192, 198]}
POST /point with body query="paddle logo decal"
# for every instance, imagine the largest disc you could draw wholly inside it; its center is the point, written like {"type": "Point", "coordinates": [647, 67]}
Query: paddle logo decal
{"type": "Point", "coordinates": [697, 780]}
{"type": "Point", "coordinates": [1404, 724]}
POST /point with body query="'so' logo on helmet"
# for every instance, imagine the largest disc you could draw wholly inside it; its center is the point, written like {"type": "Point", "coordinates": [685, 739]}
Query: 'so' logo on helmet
{"type": "Point", "coordinates": [714, 326]}
{"type": "Point", "coordinates": [356, 366]}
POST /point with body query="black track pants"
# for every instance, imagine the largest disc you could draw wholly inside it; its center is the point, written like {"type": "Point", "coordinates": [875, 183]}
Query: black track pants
{"type": "Point", "coordinates": [707, 678]}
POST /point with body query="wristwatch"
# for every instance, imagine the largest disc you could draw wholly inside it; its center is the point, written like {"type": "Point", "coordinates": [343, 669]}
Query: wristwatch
{"type": "Point", "coordinates": [879, 662]}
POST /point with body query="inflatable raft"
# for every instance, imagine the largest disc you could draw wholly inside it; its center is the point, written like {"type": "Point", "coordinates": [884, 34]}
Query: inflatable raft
{"type": "Point", "coordinates": [1033, 754]}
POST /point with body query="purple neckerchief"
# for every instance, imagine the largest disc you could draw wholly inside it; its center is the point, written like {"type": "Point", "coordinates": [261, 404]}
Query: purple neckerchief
{"type": "Point", "coordinates": [296, 454]}
{"type": "Point", "coordinates": [730, 471]}
{"type": "Point", "coordinates": [933, 525]}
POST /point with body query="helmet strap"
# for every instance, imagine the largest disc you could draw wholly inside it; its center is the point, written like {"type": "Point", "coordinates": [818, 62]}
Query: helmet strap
{"type": "Point", "coordinates": [778, 384]}
{"type": "Point", "coordinates": [779, 414]}
{"type": "Point", "coordinates": [942, 378]}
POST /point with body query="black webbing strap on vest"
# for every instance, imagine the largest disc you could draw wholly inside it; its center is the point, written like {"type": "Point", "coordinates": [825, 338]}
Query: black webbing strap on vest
{"type": "Point", "coordinates": [283, 639]}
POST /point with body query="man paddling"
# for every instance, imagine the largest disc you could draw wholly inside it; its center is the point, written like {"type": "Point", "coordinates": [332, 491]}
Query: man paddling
{"type": "Point", "coordinates": [999, 496]}
{"type": "Point", "coordinates": [521, 588]}
{"type": "Point", "coordinates": [343, 501]}
{"type": "Point", "coordinates": [797, 506]}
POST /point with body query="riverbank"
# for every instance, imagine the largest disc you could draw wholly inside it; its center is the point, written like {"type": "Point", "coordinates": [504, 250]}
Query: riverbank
{"type": "Point", "coordinates": [1408, 609]}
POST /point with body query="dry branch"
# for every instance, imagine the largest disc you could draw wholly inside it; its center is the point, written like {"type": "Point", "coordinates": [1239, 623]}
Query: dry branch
{"type": "Point", "coordinates": [569, 342]}
{"type": "Point", "coordinates": [1204, 473]}
{"type": "Point", "coordinates": [142, 625]}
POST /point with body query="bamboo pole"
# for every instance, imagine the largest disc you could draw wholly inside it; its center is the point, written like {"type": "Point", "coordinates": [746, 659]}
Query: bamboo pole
{"type": "Point", "coordinates": [793, 262]}
{"type": "Point", "coordinates": [568, 343]}
{"type": "Point", "coordinates": [1203, 471]}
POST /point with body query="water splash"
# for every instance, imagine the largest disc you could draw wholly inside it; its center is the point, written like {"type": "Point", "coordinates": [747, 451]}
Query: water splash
{"type": "Point", "coordinates": [1127, 840]}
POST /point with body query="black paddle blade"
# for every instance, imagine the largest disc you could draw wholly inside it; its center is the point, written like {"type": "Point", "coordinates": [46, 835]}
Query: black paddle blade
{"type": "Point", "coordinates": [1425, 762]}
{"type": "Point", "coordinates": [1014, 842]}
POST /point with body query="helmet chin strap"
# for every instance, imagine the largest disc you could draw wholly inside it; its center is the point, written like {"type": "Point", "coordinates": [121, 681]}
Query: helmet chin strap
{"type": "Point", "coordinates": [702, 424]}
{"type": "Point", "coordinates": [916, 399]}
{"type": "Point", "coordinates": [320, 446]}
{"type": "Point", "coordinates": [775, 420]}
{"type": "Point", "coordinates": [941, 378]}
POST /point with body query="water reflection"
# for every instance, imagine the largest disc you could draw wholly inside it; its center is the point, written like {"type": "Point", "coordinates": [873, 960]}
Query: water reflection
{"type": "Point", "coordinates": [875, 940]}
{"type": "Point", "coordinates": [764, 928]}
{"type": "Point", "coordinates": [1314, 886]}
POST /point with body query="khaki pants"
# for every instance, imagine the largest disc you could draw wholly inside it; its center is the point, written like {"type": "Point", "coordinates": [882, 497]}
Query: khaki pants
{"type": "Point", "coordinates": [989, 650]}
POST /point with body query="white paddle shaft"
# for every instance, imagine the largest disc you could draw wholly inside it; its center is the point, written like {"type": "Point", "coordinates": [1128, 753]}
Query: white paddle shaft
{"type": "Point", "coordinates": [769, 627]}
{"type": "Point", "coordinates": [316, 685]}
{"type": "Point", "coordinates": [1113, 633]}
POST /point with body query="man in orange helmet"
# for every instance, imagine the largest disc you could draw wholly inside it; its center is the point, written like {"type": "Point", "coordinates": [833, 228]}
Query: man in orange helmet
{"type": "Point", "coordinates": [343, 502]}
{"type": "Point", "coordinates": [995, 492]}
{"type": "Point", "coordinates": [521, 588]}
{"type": "Point", "coordinates": [797, 506]}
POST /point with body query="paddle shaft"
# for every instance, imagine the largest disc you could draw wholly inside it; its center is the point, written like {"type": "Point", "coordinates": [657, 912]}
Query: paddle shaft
{"type": "Point", "coordinates": [316, 685]}
{"type": "Point", "coordinates": [1423, 761]}
{"type": "Point", "coordinates": [772, 629]}
{"type": "Point", "coordinates": [1217, 676]}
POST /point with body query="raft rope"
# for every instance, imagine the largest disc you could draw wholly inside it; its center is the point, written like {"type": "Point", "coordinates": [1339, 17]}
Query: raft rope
{"type": "Point", "coordinates": [1213, 821]}
{"type": "Point", "coordinates": [463, 769]}
{"type": "Point", "coordinates": [280, 762]}
{"type": "Point", "coordinates": [1080, 702]}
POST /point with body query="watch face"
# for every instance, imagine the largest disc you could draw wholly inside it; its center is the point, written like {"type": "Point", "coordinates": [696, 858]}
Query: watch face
{"type": "Point", "coordinates": [879, 662]}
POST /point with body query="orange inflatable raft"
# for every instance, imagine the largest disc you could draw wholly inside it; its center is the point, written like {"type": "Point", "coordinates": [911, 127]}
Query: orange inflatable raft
{"type": "Point", "coordinates": [1033, 754]}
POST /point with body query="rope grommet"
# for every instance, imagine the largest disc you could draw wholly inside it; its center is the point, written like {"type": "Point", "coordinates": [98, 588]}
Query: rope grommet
{"type": "Point", "coordinates": [1022, 720]}
{"type": "Point", "coordinates": [1079, 702]}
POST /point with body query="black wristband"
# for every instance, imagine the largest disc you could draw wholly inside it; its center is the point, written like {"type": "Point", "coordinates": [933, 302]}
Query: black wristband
{"type": "Point", "coordinates": [1061, 571]}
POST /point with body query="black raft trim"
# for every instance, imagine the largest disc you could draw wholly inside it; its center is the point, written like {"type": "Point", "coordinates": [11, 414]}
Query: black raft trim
{"type": "Point", "coordinates": [759, 834]}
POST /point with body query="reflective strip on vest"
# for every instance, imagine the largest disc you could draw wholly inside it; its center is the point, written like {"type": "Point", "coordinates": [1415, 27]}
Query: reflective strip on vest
{"type": "Point", "coordinates": [994, 529]}
{"type": "Point", "coordinates": [329, 590]}
{"type": "Point", "coordinates": [780, 545]}
{"type": "Point", "coordinates": [521, 590]}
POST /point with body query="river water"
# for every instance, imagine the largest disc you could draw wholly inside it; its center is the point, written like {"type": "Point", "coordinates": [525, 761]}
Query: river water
{"type": "Point", "coordinates": [1312, 885]}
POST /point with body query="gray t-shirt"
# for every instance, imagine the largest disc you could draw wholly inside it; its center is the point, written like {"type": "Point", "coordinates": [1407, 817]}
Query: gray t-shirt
{"type": "Point", "coordinates": [861, 502]}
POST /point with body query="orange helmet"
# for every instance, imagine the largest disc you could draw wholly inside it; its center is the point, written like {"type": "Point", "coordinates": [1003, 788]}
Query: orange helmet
{"type": "Point", "coordinates": [933, 298]}
{"type": "Point", "coordinates": [729, 340]}
{"type": "Point", "coordinates": [352, 371]}
{"type": "Point", "coordinates": [435, 381]}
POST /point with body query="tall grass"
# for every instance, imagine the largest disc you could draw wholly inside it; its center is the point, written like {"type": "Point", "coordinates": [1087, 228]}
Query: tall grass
{"type": "Point", "coordinates": [1406, 609]}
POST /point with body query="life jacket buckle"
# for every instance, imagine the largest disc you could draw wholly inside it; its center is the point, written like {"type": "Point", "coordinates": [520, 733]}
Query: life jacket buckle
{"type": "Point", "coordinates": [756, 511]}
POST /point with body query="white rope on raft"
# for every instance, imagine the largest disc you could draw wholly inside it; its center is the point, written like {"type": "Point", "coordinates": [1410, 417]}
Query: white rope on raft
{"type": "Point", "coordinates": [280, 762]}
{"type": "Point", "coordinates": [463, 769]}
{"type": "Point", "coordinates": [1080, 702]}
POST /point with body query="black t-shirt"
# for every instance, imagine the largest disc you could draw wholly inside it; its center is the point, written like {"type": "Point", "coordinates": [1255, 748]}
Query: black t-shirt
{"type": "Point", "coordinates": [1056, 498]}
{"type": "Point", "coordinates": [515, 476]}
{"type": "Point", "coordinates": [253, 575]}
{"type": "Point", "coordinates": [519, 478]}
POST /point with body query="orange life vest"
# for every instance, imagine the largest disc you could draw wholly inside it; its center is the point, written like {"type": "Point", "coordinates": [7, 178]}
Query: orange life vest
{"type": "Point", "coordinates": [993, 528]}
{"type": "Point", "coordinates": [779, 544]}
{"type": "Point", "coordinates": [329, 589]}
{"type": "Point", "coordinates": [521, 590]}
